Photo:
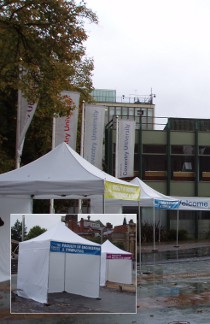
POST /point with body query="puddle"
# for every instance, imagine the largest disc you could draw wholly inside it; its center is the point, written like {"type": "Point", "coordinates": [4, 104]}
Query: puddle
{"type": "Point", "coordinates": [183, 274]}
{"type": "Point", "coordinates": [167, 289]}
{"type": "Point", "coordinates": [176, 255]}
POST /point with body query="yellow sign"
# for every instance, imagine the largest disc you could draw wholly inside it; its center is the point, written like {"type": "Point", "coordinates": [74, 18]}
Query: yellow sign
{"type": "Point", "coordinates": [121, 191]}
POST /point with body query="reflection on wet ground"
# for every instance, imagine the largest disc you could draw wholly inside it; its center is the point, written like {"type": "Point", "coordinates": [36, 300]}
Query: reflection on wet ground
{"type": "Point", "coordinates": [175, 279]}
{"type": "Point", "coordinates": [173, 255]}
{"type": "Point", "coordinates": [173, 286]}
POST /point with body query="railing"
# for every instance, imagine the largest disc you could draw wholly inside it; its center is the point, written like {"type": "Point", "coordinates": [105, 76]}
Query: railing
{"type": "Point", "coordinates": [144, 99]}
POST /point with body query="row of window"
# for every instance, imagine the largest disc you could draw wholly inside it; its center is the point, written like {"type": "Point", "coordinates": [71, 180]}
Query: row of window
{"type": "Point", "coordinates": [176, 149]}
{"type": "Point", "coordinates": [181, 167]}
{"type": "Point", "coordinates": [140, 115]}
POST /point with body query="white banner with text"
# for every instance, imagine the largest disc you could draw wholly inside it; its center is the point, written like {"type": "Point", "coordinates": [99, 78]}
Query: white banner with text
{"type": "Point", "coordinates": [126, 146]}
{"type": "Point", "coordinates": [94, 134]}
{"type": "Point", "coordinates": [66, 127]}
{"type": "Point", "coordinates": [27, 110]}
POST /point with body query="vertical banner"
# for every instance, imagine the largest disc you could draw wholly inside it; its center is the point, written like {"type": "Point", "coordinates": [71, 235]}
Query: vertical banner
{"type": "Point", "coordinates": [126, 145]}
{"type": "Point", "coordinates": [93, 134]}
{"type": "Point", "coordinates": [26, 113]}
{"type": "Point", "coordinates": [66, 127]}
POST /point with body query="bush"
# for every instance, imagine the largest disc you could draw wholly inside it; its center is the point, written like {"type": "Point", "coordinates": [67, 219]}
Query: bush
{"type": "Point", "coordinates": [182, 235]}
{"type": "Point", "coordinates": [147, 232]}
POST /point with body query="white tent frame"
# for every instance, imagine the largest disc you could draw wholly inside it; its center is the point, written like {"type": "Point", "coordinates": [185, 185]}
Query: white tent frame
{"type": "Point", "coordinates": [126, 275]}
{"type": "Point", "coordinates": [147, 198]}
{"type": "Point", "coordinates": [54, 249]}
{"type": "Point", "coordinates": [62, 173]}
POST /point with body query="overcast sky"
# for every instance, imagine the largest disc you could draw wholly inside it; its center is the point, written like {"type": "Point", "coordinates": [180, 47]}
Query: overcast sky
{"type": "Point", "coordinates": [158, 44]}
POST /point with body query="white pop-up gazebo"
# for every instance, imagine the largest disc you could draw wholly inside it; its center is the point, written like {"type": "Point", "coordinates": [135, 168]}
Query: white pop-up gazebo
{"type": "Point", "coordinates": [116, 264]}
{"type": "Point", "coordinates": [56, 261]}
{"type": "Point", "coordinates": [61, 173]}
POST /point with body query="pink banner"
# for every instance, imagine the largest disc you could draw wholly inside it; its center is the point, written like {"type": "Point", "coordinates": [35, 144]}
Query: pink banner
{"type": "Point", "coordinates": [111, 256]}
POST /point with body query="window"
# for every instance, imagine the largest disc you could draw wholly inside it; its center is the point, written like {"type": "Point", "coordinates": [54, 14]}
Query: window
{"type": "Point", "coordinates": [154, 149]}
{"type": "Point", "coordinates": [182, 149]}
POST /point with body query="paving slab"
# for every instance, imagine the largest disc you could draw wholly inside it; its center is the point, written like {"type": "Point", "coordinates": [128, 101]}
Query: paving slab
{"type": "Point", "coordinates": [176, 290]}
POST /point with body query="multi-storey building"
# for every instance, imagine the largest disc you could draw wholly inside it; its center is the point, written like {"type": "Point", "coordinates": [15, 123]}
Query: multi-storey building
{"type": "Point", "coordinates": [173, 157]}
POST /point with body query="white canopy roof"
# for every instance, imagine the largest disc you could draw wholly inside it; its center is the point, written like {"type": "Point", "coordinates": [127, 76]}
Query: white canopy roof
{"type": "Point", "coordinates": [60, 233]}
{"type": "Point", "coordinates": [116, 264]}
{"type": "Point", "coordinates": [147, 197]}
{"type": "Point", "coordinates": [108, 247]}
{"type": "Point", "coordinates": [148, 194]}
{"type": "Point", "coordinates": [61, 172]}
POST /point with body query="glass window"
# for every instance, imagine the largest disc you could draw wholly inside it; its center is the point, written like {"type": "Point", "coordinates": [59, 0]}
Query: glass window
{"type": "Point", "coordinates": [150, 112]}
{"type": "Point", "coordinates": [182, 149]}
{"type": "Point", "coordinates": [118, 111]}
{"type": "Point", "coordinates": [204, 150]}
{"type": "Point", "coordinates": [124, 112]}
{"type": "Point", "coordinates": [182, 163]}
{"type": "Point", "coordinates": [157, 149]}
{"type": "Point", "coordinates": [131, 112]}
{"type": "Point", "coordinates": [140, 112]}
{"type": "Point", "coordinates": [111, 112]}
{"type": "Point", "coordinates": [154, 163]}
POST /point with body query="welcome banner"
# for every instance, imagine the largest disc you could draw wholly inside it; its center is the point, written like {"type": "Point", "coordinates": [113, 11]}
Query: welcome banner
{"type": "Point", "coordinates": [126, 145]}
{"type": "Point", "coordinates": [66, 127]}
{"type": "Point", "coordinates": [94, 134]}
{"type": "Point", "coordinates": [194, 203]}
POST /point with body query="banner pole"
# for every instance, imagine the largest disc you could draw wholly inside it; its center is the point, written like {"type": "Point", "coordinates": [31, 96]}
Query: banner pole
{"type": "Point", "coordinates": [17, 154]}
{"type": "Point", "coordinates": [82, 146]}
{"type": "Point", "coordinates": [177, 229]}
{"type": "Point", "coordinates": [139, 214]}
{"type": "Point", "coordinates": [103, 204]}
{"type": "Point", "coordinates": [82, 129]}
{"type": "Point", "coordinates": [52, 210]}
{"type": "Point", "coordinates": [154, 247]}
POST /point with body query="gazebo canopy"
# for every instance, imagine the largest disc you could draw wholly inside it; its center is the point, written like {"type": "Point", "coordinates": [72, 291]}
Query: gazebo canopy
{"type": "Point", "coordinates": [63, 172]}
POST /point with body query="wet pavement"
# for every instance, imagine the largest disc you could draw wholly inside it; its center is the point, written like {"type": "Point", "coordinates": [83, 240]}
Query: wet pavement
{"type": "Point", "coordinates": [171, 288]}
{"type": "Point", "coordinates": [112, 300]}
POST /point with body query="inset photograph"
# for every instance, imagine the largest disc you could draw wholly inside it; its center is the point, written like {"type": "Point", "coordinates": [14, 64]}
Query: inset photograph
{"type": "Point", "coordinates": [72, 264]}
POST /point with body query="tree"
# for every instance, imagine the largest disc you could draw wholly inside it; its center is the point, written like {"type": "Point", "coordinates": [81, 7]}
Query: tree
{"type": "Point", "coordinates": [42, 53]}
{"type": "Point", "coordinates": [16, 231]}
{"type": "Point", "coordinates": [35, 231]}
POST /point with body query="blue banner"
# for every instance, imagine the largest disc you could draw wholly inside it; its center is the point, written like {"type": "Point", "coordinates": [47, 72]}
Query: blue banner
{"type": "Point", "coordinates": [74, 248]}
{"type": "Point", "coordinates": [166, 204]}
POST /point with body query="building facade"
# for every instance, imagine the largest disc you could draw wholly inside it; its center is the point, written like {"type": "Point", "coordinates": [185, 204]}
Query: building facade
{"type": "Point", "coordinates": [171, 156]}
{"type": "Point", "coordinates": [174, 161]}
